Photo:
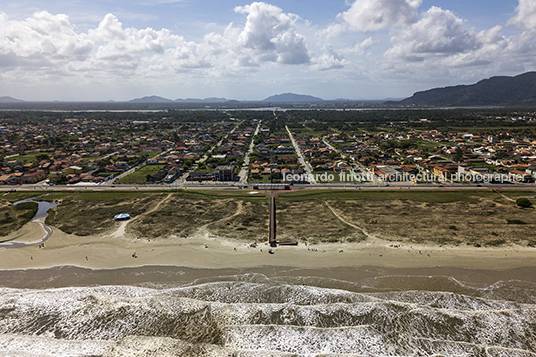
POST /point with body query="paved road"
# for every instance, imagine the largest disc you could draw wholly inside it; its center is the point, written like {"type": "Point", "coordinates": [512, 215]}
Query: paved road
{"type": "Point", "coordinates": [135, 168]}
{"type": "Point", "coordinates": [301, 158]}
{"type": "Point", "coordinates": [235, 185]}
{"type": "Point", "coordinates": [375, 180]}
{"type": "Point", "coordinates": [244, 170]}
{"type": "Point", "coordinates": [209, 152]}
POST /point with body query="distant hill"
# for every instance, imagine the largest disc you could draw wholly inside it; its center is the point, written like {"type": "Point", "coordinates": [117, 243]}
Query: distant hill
{"type": "Point", "coordinates": [292, 98]}
{"type": "Point", "coordinates": [151, 99]}
{"type": "Point", "coordinates": [500, 91]}
{"type": "Point", "coordinates": [197, 100]}
{"type": "Point", "coordinates": [10, 100]}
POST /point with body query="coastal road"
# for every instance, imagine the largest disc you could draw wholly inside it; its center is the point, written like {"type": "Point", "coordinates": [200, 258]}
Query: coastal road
{"type": "Point", "coordinates": [235, 185]}
{"type": "Point", "coordinates": [306, 165]}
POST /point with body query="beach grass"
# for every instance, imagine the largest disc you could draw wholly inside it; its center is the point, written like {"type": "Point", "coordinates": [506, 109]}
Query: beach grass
{"type": "Point", "coordinates": [13, 217]}
{"type": "Point", "coordinates": [421, 216]}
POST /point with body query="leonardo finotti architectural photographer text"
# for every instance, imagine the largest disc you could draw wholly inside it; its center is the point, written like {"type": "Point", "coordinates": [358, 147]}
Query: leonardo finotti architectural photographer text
{"type": "Point", "coordinates": [405, 177]}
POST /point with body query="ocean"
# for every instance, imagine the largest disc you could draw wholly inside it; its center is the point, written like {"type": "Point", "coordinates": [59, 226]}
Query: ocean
{"type": "Point", "coordinates": [173, 311]}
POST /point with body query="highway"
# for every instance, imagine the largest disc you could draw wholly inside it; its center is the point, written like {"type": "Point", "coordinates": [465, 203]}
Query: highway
{"type": "Point", "coordinates": [235, 186]}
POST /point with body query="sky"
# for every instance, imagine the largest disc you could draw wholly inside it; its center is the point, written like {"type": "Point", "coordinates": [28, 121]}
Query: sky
{"type": "Point", "coordinates": [81, 50]}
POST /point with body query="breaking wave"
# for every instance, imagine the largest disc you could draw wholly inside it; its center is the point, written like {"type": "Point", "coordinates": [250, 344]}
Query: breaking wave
{"type": "Point", "coordinates": [250, 315]}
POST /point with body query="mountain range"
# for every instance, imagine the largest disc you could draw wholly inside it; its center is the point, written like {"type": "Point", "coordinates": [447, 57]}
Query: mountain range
{"type": "Point", "coordinates": [495, 91]}
{"type": "Point", "coordinates": [157, 99]}
{"type": "Point", "coordinates": [292, 98]}
{"type": "Point", "coordinates": [7, 99]}
{"type": "Point", "coordinates": [154, 99]}
{"type": "Point", "coordinates": [519, 90]}
{"type": "Point", "coordinates": [279, 98]}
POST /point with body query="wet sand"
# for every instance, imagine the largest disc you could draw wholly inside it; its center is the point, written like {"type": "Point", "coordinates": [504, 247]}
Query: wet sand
{"type": "Point", "coordinates": [364, 279]}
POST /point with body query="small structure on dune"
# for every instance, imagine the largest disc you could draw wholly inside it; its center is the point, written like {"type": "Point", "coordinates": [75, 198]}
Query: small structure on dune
{"type": "Point", "coordinates": [122, 217]}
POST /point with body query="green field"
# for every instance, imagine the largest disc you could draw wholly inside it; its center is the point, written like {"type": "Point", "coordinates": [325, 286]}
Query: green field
{"type": "Point", "coordinates": [140, 176]}
{"type": "Point", "coordinates": [25, 158]}
{"type": "Point", "coordinates": [149, 154]}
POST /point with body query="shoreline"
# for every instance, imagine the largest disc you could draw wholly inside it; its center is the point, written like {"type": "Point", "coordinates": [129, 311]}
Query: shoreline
{"type": "Point", "coordinates": [365, 279]}
{"type": "Point", "coordinates": [114, 250]}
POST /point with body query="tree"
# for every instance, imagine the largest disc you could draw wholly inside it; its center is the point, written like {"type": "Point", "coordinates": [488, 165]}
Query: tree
{"type": "Point", "coordinates": [42, 157]}
{"type": "Point", "coordinates": [523, 202]}
{"type": "Point", "coordinates": [458, 156]}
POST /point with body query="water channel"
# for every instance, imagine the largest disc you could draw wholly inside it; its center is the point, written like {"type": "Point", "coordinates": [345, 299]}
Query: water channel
{"type": "Point", "coordinates": [39, 218]}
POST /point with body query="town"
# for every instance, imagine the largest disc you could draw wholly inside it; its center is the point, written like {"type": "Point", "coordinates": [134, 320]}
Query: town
{"type": "Point", "coordinates": [260, 148]}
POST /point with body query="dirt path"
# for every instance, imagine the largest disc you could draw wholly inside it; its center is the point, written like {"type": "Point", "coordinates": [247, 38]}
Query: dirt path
{"type": "Point", "coordinates": [120, 232]}
{"type": "Point", "coordinates": [239, 210]}
{"type": "Point", "coordinates": [369, 236]}
{"type": "Point", "coordinates": [155, 207]}
{"type": "Point", "coordinates": [204, 231]}
{"type": "Point", "coordinates": [343, 220]}
{"type": "Point", "coordinates": [506, 197]}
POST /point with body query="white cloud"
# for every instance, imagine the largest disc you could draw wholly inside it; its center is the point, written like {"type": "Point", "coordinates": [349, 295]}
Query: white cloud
{"type": "Point", "coordinates": [438, 33]}
{"type": "Point", "coordinates": [119, 43]}
{"type": "Point", "coordinates": [268, 36]}
{"type": "Point", "coordinates": [271, 36]}
{"type": "Point", "coordinates": [330, 59]}
{"type": "Point", "coordinates": [374, 15]}
{"type": "Point", "coordinates": [490, 45]}
{"type": "Point", "coordinates": [525, 17]}
{"type": "Point", "coordinates": [360, 48]}
{"type": "Point", "coordinates": [41, 40]}
{"type": "Point", "coordinates": [49, 42]}
{"type": "Point", "coordinates": [379, 39]}
{"type": "Point", "coordinates": [109, 29]}
{"type": "Point", "coordinates": [439, 43]}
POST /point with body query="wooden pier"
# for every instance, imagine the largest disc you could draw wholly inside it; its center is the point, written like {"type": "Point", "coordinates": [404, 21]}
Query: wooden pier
{"type": "Point", "coordinates": [272, 237]}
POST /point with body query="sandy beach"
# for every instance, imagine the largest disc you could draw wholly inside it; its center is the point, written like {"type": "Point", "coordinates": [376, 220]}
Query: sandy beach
{"type": "Point", "coordinates": [203, 250]}
{"type": "Point", "coordinates": [89, 288]}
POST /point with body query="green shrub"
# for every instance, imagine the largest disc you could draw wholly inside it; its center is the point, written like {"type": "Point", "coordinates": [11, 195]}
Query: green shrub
{"type": "Point", "coordinates": [496, 242]}
{"type": "Point", "coordinates": [515, 221]}
{"type": "Point", "coordinates": [523, 202]}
